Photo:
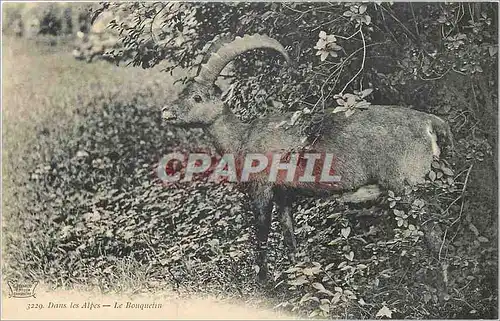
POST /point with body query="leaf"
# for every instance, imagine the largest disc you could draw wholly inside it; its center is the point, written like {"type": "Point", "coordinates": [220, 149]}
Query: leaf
{"type": "Point", "coordinates": [391, 194]}
{"type": "Point", "coordinates": [334, 46]}
{"type": "Point", "coordinates": [474, 229]}
{"type": "Point", "coordinates": [351, 99]}
{"type": "Point", "coordinates": [482, 239]}
{"type": "Point", "coordinates": [362, 9]}
{"type": "Point", "coordinates": [329, 266]}
{"type": "Point", "coordinates": [493, 50]}
{"type": "Point", "coordinates": [368, 19]}
{"type": "Point", "coordinates": [321, 44]}
{"type": "Point", "coordinates": [432, 176]}
{"type": "Point", "coordinates": [348, 14]}
{"type": "Point", "coordinates": [363, 104]}
{"type": "Point", "coordinates": [349, 112]}
{"type": "Point", "coordinates": [322, 34]}
{"type": "Point", "coordinates": [384, 312]}
{"type": "Point", "coordinates": [339, 109]}
{"type": "Point", "coordinates": [299, 281]}
{"type": "Point", "coordinates": [341, 102]}
{"type": "Point", "coordinates": [366, 92]}
{"type": "Point", "coordinates": [325, 307]}
{"type": "Point", "coordinates": [318, 286]}
{"type": "Point", "coordinates": [349, 256]}
{"type": "Point", "coordinates": [311, 271]}
{"type": "Point", "coordinates": [321, 288]}
{"type": "Point", "coordinates": [293, 269]}
{"type": "Point", "coordinates": [419, 203]}
{"type": "Point", "coordinates": [345, 232]}
{"type": "Point", "coordinates": [324, 55]}
{"type": "Point", "coordinates": [392, 204]}
{"type": "Point", "coordinates": [436, 165]}
{"type": "Point", "coordinates": [305, 298]}
{"type": "Point", "coordinates": [296, 115]}
{"type": "Point", "coordinates": [447, 171]}
{"type": "Point", "coordinates": [331, 38]}
{"type": "Point", "coordinates": [325, 301]}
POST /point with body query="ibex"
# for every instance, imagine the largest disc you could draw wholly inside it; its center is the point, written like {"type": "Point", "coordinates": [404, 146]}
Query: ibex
{"type": "Point", "coordinates": [379, 148]}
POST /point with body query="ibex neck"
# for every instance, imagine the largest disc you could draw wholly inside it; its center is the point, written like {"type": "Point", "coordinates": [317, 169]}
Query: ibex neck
{"type": "Point", "coordinates": [227, 132]}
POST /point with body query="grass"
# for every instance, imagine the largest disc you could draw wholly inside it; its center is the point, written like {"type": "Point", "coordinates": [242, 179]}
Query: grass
{"type": "Point", "coordinates": [47, 95]}
{"type": "Point", "coordinates": [44, 89]}
{"type": "Point", "coordinates": [44, 92]}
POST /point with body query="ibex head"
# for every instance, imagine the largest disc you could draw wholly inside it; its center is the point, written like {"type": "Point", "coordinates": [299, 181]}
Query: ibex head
{"type": "Point", "coordinates": [200, 103]}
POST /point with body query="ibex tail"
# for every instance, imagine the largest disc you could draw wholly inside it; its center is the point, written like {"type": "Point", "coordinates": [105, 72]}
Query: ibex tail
{"type": "Point", "coordinates": [443, 132]}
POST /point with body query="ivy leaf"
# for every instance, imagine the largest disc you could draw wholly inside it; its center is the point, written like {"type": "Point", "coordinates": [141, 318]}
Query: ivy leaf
{"type": "Point", "coordinates": [345, 232]}
{"type": "Point", "coordinates": [384, 312]}
{"type": "Point", "coordinates": [432, 176]}
{"type": "Point", "coordinates": [298, 281]}
{"type": "Point", "coordinates": [321, 288]}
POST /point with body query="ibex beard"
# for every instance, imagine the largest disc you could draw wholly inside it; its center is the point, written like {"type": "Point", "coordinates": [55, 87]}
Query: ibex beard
{"type": "Point", "coordinates": [292, 169]}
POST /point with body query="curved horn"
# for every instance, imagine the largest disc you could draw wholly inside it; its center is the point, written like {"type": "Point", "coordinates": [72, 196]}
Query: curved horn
{"type": "Point", "coordinates": [219, 59]}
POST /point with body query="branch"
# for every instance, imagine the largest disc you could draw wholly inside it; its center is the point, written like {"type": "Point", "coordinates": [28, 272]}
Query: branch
{"type": "Point", "coordinates": [362, 62]}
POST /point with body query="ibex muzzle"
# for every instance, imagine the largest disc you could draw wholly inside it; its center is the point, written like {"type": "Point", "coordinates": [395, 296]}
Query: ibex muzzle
{"type": "Point", "coordinates": [380, 147]}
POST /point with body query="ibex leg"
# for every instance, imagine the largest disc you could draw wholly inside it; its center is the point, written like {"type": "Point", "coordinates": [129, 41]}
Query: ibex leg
{"type": "Point", "coordinates": [262, 206]}
{"type": "Point", "coordinates": [284, 204]}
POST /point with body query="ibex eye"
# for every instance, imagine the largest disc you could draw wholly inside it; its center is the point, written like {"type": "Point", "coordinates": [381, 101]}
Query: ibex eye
{"type": "Point", "coordinates": [197, 98]}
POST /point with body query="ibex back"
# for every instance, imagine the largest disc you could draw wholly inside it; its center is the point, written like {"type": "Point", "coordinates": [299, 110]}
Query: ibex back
{"type": "Point", "coordinates": [382, 147]}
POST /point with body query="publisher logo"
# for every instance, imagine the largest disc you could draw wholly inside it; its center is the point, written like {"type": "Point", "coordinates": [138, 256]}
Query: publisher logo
{"type": "Point", "coordinates": [22, 289]}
